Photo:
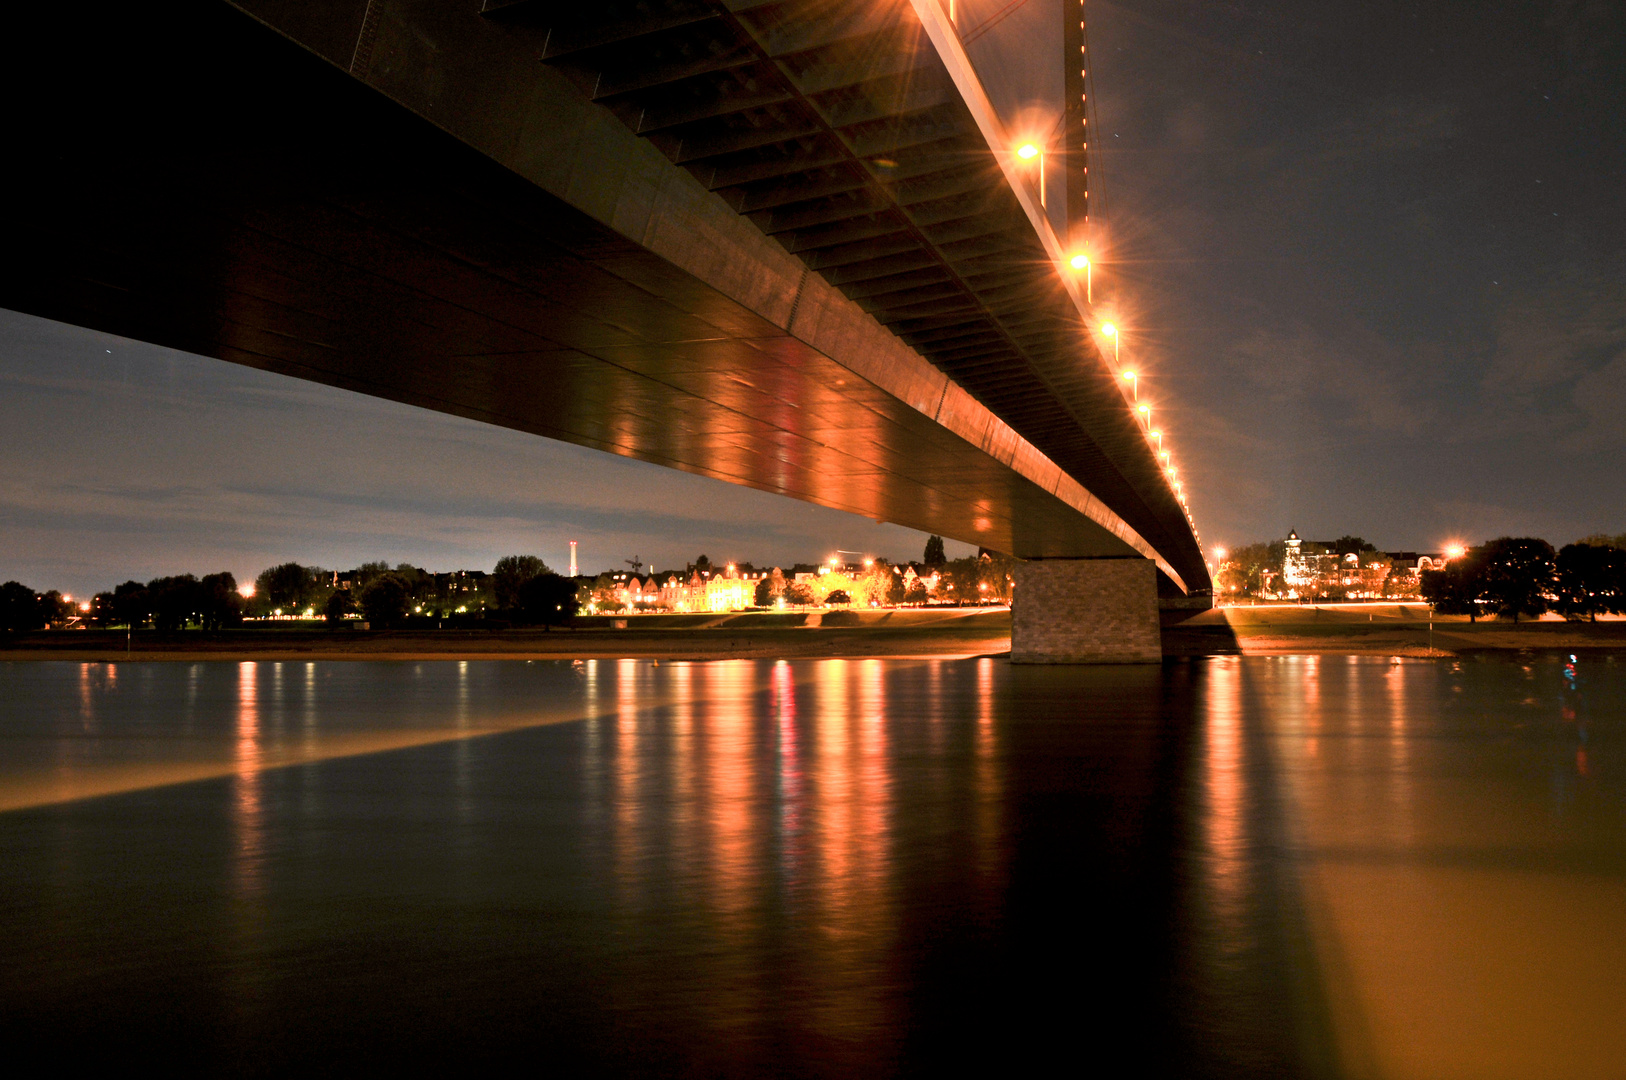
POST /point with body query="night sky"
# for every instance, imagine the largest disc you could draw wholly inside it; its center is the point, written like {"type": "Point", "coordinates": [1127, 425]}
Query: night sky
{"type": "Point", "coordinates": [1369, 258]}
{"type": "Point", "coordinates": [1373, 259]}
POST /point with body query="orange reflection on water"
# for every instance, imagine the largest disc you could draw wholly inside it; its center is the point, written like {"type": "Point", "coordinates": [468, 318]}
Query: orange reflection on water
{"type": "Point", "coordinates": [986, 771]}
{"type": "Point", "coordinates": [1223, 791]}
{"type": "Point", "coordinates": [247, 812]}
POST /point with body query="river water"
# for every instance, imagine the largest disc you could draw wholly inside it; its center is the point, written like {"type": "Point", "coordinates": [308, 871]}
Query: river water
{"type": "Point", "coordinates": [1294, 866]}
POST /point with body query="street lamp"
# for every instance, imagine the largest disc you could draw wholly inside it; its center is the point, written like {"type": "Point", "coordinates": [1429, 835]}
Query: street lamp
{"type": "Point", "coordinates": [1081, 261]}
{"type": "Point", "coordinates": [1027, 152]}
{"type": "Point", "coordinates": [1134, 383]}
{"type": "Point", "coordinates": [1112, 332]}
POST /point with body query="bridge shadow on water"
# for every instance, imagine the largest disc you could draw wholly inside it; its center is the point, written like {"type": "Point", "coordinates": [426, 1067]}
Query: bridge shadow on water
{"type": "Point", "coordinates": [739, 868]}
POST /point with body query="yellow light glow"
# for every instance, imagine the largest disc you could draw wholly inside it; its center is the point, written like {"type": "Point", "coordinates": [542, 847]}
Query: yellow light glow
{"type": "Point", "coordinates": [246, 589]}
{"type": "Point", "coordinates": [1164, 454]}
{"type": "Point", "coordinates": [1026, 151]}
{"type": "Point", "coordinates": [1219, 553]}
{"type": "Point", "coordinates": [1081, 262]}
{"type": "Point", "coordinates": [1109, 330]}
{"type": "Point", "coordinates": [1144, 410]}
{"type": "Point", "coordinates": [1129, 376]}
{"type": "Point", "coordinates": [1455, 551]}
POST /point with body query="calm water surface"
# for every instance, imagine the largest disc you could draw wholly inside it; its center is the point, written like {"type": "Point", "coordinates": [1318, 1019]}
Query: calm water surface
{"type": "Point", "coordinates": [1292, 866]}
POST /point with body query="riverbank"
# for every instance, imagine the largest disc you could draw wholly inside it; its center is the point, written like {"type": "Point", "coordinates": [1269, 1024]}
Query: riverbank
{"type": "Point", "coordinates": [1375, 630]}
{"type": "Point", "coordinates": [942, 633]}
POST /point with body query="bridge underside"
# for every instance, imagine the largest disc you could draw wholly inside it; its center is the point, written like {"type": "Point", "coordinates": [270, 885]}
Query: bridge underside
{"type": "Point", "coordinates": [199, 181]}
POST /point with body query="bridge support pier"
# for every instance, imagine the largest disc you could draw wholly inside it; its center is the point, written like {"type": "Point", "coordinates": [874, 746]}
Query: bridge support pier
{"type": "Point", "coordinates": [1085, 611]}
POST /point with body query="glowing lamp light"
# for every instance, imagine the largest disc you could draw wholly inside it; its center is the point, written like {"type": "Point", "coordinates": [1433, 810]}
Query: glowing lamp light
{"type": "Point", "coordinates": [246, 589]}
{"type": "Point", "coordinates": [1027, 151]}
{"type": "Point", "coordinates": [1219, 553]}
{"type": "Point", "coordinates": [1129, 376]}
{"type": "Point", "coordinates": [1455, 551]}
{"type": "Point", "coordinates": [1109, 330]}
{"type": "Point", "coordinates": [1164, 454]}
{"type": "Point", "coordinates": [1144, 410]}
{"type": "Point", "coordinates": [1080, 262]}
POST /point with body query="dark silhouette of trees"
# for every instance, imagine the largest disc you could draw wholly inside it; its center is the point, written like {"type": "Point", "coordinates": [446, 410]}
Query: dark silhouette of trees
{"type": "Point", "coordinates": [703, 564]}
{"type": "Point", "coordinates": [1351, 545]}
{"type": "Point", "coordinates": [764, 594]}
{"type": "Point", "coordinates": [219, 604]}
{"type": "Point", "coordinates": [895, 587]}
{"type": "Point", "coordinates": [839, 596]}
{"type": "Point", "coordinates": [131, 605]}
{"type": "Point", "coordinates": [548, 600]}
{"type": "Point", "coordinates": [103, 611]}
{"type": "Point", "coordinates": [19, 608]}
{"type": "Point", "coordinates": [53, 609]}
{"type": "Point", "coordinates": [1508, 576]}
{"type": "Point", "coordinates": [172, 600]}
{"type": "Point", "coordinates": [916, 593]}
{"type": "Point", "coordinates": [1519, 576]}
{"type": "Point", "coordinates": [384, 602]}
{"type": "Point", "coordinates": [288, 586]}
{"type": "Point", "coordinates": [339, 604]}
{"type": "Point", "coordinates": [510, 576]}
{"type": "Point", "coordinates": [934, 552]}
{"type": "Point", "coordinates": [1591, 581]}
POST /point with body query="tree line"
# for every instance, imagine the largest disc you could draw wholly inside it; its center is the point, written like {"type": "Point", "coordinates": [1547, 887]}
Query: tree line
{"type": "Point", "coordinates": [519, 590]}
{"type": "Point", "coordinates": [1523, 576]}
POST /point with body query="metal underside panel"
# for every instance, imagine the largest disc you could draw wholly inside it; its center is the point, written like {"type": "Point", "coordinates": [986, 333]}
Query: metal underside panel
{"type": "Point", "coordinates": [559, 267]}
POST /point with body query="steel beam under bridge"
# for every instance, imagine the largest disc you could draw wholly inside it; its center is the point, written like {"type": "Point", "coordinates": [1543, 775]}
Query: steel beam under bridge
{"type": "Point", "coordinates": [766, 243]}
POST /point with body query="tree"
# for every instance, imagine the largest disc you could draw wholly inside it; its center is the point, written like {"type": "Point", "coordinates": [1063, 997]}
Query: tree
{"type": "Point", "coordinates": [219, 602]}
{"type": "Point", "coordinates": [1591, 581]}
{"type": "Point", "coordinates": [839, 596]}
{"type": "Point", "coordinates": [1519, 575]}
{"type": "Point", "coordinates": [894, 587]}
{"type": "Point", "coordinates": [286, 586]}
{"type": "Point", "coordinates": [703, 564]}
{"type": "Point", "coordinates": [384, 602]}
{"type": "Point", "coordinates": [369, 572]}
{"type": "Point", "coordinates": [763, 597]}
{"type": "Point", "coordinates": [1604, 540]}
{"type": "Point", "coordinates": [53, 609]}
{"type": "Point", "coordinates": [339, 604]}
{"type": "Point", "coordinates": [934, 552]}
{"type": "Point", "coordinates": [132, 605]}
{"type": "Point", "coordinates": [548, 599]}
{"type": "Point", "coordinates": [1454, 589]}
{"type": "Point", "coordinates": [1350, 545]}
{"type": "Point", "coordinates": [173, 600]}
{"type": "Point", "coordinates": [511, 574]}
{"type": "Point", "coordinates": [103, 611]}
{"type": "Point", "coordinates": [799, 593]}
{"type": "Point", "coordinates": [917, 593]}
{"type": "Point", "coordinates": [19, 608]}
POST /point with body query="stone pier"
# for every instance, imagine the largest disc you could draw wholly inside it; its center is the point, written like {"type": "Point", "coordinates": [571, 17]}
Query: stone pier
{"type": "Point", "coordinates": [1085, 611]}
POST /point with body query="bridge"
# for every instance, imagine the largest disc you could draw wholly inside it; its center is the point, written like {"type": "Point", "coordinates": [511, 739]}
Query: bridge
{"type": "Point", "coordinates": [817, 247]}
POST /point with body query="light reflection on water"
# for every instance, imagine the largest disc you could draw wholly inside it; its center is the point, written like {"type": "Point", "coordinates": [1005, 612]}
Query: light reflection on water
{"type": "Point", "coordinates": [1288, 866]}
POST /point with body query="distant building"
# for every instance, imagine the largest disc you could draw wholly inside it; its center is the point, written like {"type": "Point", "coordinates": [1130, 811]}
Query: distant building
{"type": "Point", "coordinates": [1313, 568]}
